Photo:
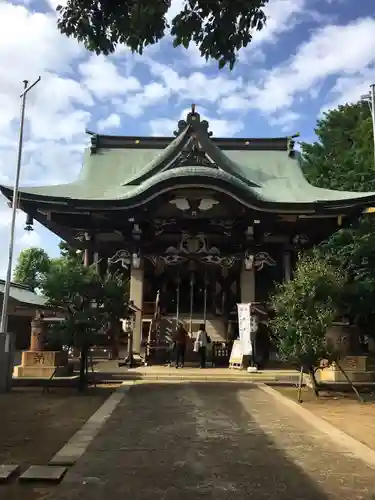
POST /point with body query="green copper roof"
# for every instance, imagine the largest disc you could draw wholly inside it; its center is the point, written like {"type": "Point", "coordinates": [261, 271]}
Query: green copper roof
{"type": "Point", "coordinates": [23, 295]}
{"type": "Point", "coordinates": [132, 173]}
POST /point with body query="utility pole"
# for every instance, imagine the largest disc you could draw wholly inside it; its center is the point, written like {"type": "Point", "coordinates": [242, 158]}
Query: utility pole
{"type": "Point", "coordinates": [370, 99]}
{"type": "Point", "coordinates": [4, 312]}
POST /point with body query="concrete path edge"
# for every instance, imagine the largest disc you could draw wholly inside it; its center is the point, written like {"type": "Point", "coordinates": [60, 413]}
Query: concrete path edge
{"type": "Point", "coordinates": [340, 438]}
{"type": "Point", "coordinates": [79, 442]}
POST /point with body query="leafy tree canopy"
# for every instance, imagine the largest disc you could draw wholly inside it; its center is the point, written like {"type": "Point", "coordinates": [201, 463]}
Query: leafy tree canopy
{"type": "Point", "coordinates": [353, 251]}
{"type": "Point", "coordinates": [32, 264]}
{"type": "Point", "coordinates": [304, 308]}
{"type": "Point", "coordinates": [68, 252]}
{"type": "Point", "coordinates": [343, 157]}
{"type": "Point", "coordinates": [219, 28]}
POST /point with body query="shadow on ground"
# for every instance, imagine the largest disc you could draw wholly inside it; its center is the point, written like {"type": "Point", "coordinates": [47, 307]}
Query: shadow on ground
{"type": "Point", "coordinates": [196, 441]}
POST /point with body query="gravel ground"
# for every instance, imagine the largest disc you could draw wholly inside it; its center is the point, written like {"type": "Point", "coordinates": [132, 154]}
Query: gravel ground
{"type": "Point", "coordinates": [192, 441]}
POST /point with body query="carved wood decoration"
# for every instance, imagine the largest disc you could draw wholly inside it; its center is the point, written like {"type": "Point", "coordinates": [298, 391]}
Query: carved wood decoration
{"type": "Point", "coordinates": [224, 223]}
{"type": "Point", "coordinates": [193, 154]}
{"type": "Point", "coordinates": [193, 207]}
{"type": "Point", "coordinates": [160, 225]}
{"type": "Point", "coordinates": [226, 261]}
{"type": "Point", "coordinates": [189, 244]}
{"type": "Point", "coordinates": [258, 260]}
{"type": "Point", "coordinates": [122, 256]}
{"type": "Point", "coordinates": [263, 259]}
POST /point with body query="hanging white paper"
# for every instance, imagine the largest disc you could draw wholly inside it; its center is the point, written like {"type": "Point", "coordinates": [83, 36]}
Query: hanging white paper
{"type": "Point", "coordinates": [244, 327]}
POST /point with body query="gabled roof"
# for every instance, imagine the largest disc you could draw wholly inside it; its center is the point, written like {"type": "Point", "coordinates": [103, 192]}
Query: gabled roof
{"type": "Point", "coordinates": [128, 171]}
{"type": "Point", "coordinates": [23, 294]}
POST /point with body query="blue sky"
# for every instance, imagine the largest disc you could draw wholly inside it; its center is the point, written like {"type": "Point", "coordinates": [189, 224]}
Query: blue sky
{"type": "Point", "coordinates": [313, 55]}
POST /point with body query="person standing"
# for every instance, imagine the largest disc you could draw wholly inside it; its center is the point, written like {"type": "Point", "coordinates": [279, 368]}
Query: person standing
{"type": "Point", "coordinates": [181, 338]}
{"type": "Point", "coordinates": [201, 343]}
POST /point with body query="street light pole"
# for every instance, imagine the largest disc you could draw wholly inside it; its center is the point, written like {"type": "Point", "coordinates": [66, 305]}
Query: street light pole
{"type": "Point", "coordinates": [372, 99]}
{"type": "Point", "coordinates": [4, 312]}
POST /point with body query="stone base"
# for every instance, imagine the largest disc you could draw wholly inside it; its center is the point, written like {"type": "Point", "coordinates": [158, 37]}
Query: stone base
{"type": "Point", "coordinates": [357, 368]}
{"type": "Point", "coordinates": [42, 364]}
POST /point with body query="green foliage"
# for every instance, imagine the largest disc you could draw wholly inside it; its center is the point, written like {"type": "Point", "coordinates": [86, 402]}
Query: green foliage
{"type": "Point", "coordinates": [89, 302]}
{"type": "Point", "coordinates": [68, 252]}
{"type": "Point", "coordinates": [304, 308]}
{"type": "Point", "coordinates": [343, 156]}
{"type": "Point", "coordinates": [353, 251]}
{"type": "Point", "coordinates": [76, 290]}
{"type": "Point", "coordinates": [219, 28]}
{"type": "Point", "coordinates": [115, 296]}
{"type": "Point", "coordinates": [32, 265]}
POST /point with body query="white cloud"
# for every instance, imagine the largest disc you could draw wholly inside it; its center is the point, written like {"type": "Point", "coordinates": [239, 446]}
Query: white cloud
{"type": "Point", "coordinates": [197, 87]}
{"type": "Point", "coordinates": [349, 89]}
{"type": "Point", "coordinates": [282, 15]}
{"type": "Point", "coordinates": [112, 121]}
{"type": "Point", "coordinates": [285, 121]}
{"type": "Point", "coordinates": [101, 76]}
{"type": "Point", "coordinates": [151, 94]}
{"type": "Point", "coordinates": [315, 60]}
{"type": "Point", "coordinates": [162, 127]}
{"type": "Point", "coordinates": [79, 89]}
{"type": "Point", "coordinates": [57, 111]}
{"type": "Point", "coordinates": [22, 239]}
{"type": "Point", "coordinates": [235, 102]}
{"type": "Point", "coordinates": [219, 127]}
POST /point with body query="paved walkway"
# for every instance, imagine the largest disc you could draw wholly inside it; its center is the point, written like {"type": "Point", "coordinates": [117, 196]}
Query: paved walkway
{"type": "Point", "coordinates": [212, 441]}
{"type": "Point", "coordinates": [191, 372]}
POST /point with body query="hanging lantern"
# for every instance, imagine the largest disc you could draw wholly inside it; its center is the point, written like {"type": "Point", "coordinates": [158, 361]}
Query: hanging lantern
{"type": "Point", "coordinates": [29, 223]}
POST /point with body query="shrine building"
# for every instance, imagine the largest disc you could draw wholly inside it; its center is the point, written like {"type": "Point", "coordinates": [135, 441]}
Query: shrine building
{"type": "Point", "coordinates": [208, 222]}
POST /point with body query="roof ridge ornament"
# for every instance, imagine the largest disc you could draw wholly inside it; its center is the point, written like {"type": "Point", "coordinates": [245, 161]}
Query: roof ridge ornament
{"type": "Point", "coordinates": [193, 119]}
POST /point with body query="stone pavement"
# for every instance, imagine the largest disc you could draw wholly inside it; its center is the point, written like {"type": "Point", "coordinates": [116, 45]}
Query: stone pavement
{"type": "Point", "coordinates": [192, 372]}
{"type": "Point", "coordinates": [187, 441]}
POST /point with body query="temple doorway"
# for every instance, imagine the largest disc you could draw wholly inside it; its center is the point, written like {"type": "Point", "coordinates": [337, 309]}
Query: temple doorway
{"type": "Point", "coordinates": [189, 291]}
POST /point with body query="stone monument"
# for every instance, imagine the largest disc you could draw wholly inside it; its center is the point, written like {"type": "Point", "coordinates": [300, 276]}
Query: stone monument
{"type": "Point", "coordinates": [358, 366]}
{"type": "Point", "coordinates": [38, 363]}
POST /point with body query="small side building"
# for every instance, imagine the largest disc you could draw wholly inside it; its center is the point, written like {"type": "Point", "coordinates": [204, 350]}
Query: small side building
{"type": "Point", "coordinates": [22, 307]}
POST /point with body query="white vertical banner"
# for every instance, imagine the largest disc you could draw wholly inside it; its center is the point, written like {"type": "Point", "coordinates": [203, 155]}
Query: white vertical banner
{"type": "Point", "coordinates": [244, 327]}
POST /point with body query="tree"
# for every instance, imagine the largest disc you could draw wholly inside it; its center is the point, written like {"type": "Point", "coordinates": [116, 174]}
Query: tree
{"type": "Point", "coordinates": [115, 305]}
{"type": "Point", "coordinates": [75, 289]}
{"type": "Point", "coordinates": [219, 28]}
{"type": "Point", "coordinates": [304, 308]}
{"type": "Point", "coordinates": [343, 157]}
{"type": "Point", "coordinates": [89, 303]}
{"type": "Point", "coordinates": [353, 251]}
{"type": "Point", "coordinates": [32, 265]}
{"type": "Point", "coordinates": [68, 252]}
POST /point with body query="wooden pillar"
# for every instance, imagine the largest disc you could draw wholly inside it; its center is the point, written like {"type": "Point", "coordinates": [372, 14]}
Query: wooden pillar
{"type": "Point", "coordinates": [247, 284]}
{"type": "Point", "coordinates": [136, 295]}
{"type": "Point", "coordinates": [287, 265]}
{"type": "Point", "coordinates": [88, 256]}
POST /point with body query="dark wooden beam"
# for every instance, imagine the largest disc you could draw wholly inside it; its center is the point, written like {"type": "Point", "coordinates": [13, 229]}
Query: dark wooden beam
{"type": "Point", "coordinates": [99, 141]}
{"type": "Point", "coordinates": [63, 232]}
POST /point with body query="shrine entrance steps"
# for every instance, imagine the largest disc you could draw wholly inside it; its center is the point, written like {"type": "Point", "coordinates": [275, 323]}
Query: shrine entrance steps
{"type": "Point", "coordinates": [191, 372]}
